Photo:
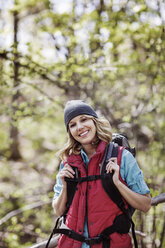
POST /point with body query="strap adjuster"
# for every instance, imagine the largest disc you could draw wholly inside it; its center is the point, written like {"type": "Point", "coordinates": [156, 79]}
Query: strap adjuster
{"type": "Point", "coordinates": [93, 241]}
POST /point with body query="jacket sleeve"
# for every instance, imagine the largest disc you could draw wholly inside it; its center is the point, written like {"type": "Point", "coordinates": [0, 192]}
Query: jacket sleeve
{"type": "Point", "coordinates": [132, 174]}
{"type": "Point", "coordinates": [58, 184]}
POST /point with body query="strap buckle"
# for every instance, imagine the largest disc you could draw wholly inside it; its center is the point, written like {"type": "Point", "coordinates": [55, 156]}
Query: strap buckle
{"type": "Point", "coordinates": [93, 241]}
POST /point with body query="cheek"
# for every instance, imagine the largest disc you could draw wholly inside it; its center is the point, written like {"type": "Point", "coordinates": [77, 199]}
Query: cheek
{"type": "Point", "coordinates": [94, 130]}
{"type": "Point", "coordinates": [72, 132]}
{"type": "Point", "coordinates": [95, 133]}
{"type": "Point", "coordinates": [92, 125]}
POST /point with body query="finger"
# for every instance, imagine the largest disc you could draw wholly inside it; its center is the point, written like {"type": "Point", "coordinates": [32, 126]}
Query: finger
{"type": "Point", "coordinates": [110, 164]}
{"type": "Point", "coordinates": [69, 174]}
{"type": "Point", "coordinates": [109, 169]}
{"type": "Point", "coordinates": [69, 168]}
{"type": "Point", "coordinates": [66, 174]}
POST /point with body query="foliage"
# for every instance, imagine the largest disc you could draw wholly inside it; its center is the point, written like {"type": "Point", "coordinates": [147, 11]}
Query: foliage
{"type": "Point", "coordinates": [110, 53]}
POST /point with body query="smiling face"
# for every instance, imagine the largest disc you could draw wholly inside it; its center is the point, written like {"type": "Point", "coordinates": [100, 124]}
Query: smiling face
{"type": "Point", "coordinates": [83, 129]}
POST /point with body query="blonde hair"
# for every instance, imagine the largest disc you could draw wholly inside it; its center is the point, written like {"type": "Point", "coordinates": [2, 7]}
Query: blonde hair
{"type": "Point", "coordinates": [103, 132]}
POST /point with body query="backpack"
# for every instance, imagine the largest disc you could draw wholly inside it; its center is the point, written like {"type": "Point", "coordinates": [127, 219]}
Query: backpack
{"type": "Point", "coordinates": [122, 140]}
{"type": "Point", "coordinates": [123, 222]}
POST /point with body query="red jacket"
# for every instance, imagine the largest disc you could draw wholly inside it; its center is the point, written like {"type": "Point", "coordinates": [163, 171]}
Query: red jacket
{"type": "Point", "coordinates": [90, 196]}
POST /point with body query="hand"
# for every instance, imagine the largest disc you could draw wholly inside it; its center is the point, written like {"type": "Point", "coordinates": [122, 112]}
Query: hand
{"type": "Point", "coordinates": [67, 171]}
{"type": "Point", "coordinates": [113, 167]}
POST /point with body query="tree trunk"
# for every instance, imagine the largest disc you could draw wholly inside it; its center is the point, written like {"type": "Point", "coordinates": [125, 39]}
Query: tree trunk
{"type": "Point", "coordinates": [154, 229]}
{"type": "Point", "coordinates": [14, 132]}
{"type": "Point", "coordinates": [162, 235]}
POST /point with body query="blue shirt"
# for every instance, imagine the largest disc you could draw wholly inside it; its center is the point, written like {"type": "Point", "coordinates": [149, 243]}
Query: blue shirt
{"type": "Point", "coordinates": [130, 173]}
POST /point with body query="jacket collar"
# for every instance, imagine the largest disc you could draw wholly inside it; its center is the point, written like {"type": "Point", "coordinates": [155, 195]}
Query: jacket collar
{"type": "Point", "coordinates": [75, 160]}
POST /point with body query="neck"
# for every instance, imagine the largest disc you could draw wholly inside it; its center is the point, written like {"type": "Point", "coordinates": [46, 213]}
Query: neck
{"type": "Point", "coordinates": [89, 149]}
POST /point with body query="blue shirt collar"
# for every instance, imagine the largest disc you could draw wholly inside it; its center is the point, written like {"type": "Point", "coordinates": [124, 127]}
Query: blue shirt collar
{"type": "Point", "coordinates": [84, 156]}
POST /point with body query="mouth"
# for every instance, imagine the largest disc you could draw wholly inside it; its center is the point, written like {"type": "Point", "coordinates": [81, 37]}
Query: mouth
{"type": "Point", "coordinates": [83, 134]}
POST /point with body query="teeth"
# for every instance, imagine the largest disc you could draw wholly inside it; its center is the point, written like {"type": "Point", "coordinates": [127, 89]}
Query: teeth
{"type": "Point", "coordinates": [84, 133]}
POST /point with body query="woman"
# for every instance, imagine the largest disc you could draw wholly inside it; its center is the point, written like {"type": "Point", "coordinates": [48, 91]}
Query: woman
{"type": "Point", "coordinates": [92, 210]}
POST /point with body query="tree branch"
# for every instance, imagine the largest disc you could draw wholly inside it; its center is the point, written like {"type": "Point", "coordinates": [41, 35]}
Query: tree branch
{"type": "Point", "coordinates": [21, 210]}
{"type": "Point", "coordinates": [52, 244]}
{"type": "Point", "coordinates": [35, 68]}
{"type": "Point", "coordinates": [158, 199]}
{"type": "Point", "coordinates": [141, 234]}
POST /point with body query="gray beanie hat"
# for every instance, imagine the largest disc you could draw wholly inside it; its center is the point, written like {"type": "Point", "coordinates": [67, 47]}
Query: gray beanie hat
{"type": "Point", "coordinates": [74, 108]}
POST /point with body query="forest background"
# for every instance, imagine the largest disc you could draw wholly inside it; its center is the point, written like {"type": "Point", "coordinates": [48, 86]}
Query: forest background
{"type": "Point", "coordinates": [109, 53]}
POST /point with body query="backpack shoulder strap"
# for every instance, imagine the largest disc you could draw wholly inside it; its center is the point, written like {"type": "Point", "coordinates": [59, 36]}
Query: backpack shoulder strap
{"type": "Point", "coordinates": [115, 150]}
{"type": "Point", "coordinates": [71, 189]}
{"type": "Point", "coordinates": [110, 151]}
{"type": "Point", "coordinates": [107, 178]}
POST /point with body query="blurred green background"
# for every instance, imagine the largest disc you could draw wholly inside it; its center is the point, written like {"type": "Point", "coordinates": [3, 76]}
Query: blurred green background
{"type": "Point", "coordinates": [109, 53]}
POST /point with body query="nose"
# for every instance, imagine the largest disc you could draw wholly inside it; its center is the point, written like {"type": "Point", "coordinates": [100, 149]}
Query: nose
{"type": "Point", "coordinates": [79, 126]}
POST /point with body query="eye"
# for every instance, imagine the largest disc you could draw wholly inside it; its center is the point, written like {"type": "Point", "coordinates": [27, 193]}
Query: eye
{"type": "Point", "coordinates": [83, 119]}
{"type": "Point", "coordinates": [72, 125]}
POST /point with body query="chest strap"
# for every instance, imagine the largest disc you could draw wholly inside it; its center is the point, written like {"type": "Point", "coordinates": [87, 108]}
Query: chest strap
{"type": "Point", "coordinates": [120, 225]}
{"type": "Point", "coordinates": [83, 179]}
